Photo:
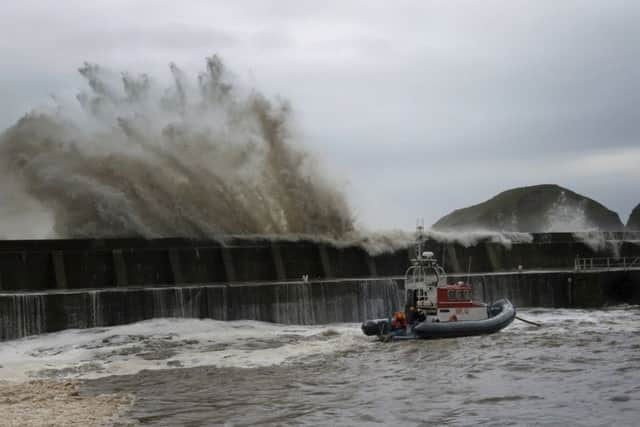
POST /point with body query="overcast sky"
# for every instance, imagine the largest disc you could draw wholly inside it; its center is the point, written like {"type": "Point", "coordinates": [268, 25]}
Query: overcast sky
{"type": "Point", "coordinates": [416, 108]}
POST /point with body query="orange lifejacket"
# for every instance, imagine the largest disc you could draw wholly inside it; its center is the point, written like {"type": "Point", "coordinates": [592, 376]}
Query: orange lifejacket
{"type": "Point", "coordinates": [399, 321]}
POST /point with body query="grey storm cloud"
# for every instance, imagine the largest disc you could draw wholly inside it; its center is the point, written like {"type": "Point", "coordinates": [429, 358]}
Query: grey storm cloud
{"type": "Point", "coordinates": [420, 107]}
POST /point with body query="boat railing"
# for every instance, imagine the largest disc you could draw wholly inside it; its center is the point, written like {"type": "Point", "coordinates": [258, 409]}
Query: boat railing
{"type": "Point", "coordinates": [606, 263]}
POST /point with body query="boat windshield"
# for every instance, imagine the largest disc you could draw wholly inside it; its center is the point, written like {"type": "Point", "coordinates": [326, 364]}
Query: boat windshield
{"type": "Point", "coordinates": [421, 275]}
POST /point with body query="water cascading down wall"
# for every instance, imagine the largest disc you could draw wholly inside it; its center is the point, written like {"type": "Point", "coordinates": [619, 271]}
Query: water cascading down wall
{"type": "Point", "coordinates": [49, 285]}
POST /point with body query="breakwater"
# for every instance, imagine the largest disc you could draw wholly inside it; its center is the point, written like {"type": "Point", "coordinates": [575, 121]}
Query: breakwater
{"type": "Point", "coordinates": [51, 285]}
{"type": "Point", "coordinates": [98, 264]}
{"type": "Point", "coordinates": [316, 302]}
{"type": "Point", "coordinates": [23, 314]}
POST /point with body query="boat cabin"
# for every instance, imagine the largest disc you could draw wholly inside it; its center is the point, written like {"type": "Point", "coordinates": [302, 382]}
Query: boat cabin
{"type": "Point", "coordinates": [427, 291]}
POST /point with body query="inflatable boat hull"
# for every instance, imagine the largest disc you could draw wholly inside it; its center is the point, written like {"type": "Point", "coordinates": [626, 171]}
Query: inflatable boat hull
{"type": "Point", "coordinates": [501, 314]}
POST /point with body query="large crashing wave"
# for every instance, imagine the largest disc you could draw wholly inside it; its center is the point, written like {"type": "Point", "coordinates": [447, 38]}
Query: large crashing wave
{"type": "Point", "coordinates": [200, 158]}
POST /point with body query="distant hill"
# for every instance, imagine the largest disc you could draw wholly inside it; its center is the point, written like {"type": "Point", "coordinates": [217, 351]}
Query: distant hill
{"type": "Point", "coordinates": [634, 219]}
{"type": "Point", "coordinates": [539, 208]}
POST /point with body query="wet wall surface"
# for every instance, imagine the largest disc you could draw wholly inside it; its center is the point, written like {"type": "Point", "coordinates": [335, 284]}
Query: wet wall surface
{"type": "Point", "coordinates": [303, 303]}
{"type": "Point", "coordinates": [29, 313]}
{"type": "Point", "coordinates": [52, 285]}
{"type": "Point", "coordinates": [98, 264]}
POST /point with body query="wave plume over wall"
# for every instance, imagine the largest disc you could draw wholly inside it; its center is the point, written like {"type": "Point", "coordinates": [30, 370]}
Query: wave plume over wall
{"type": "Point", "coordinates": [199, 158]}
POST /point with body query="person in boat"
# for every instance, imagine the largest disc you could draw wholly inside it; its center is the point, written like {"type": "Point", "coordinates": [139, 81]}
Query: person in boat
{"type": "Point", "coordinates": [399, 322]}
{"type": "Point", "coordinates": [412, 315]}
{"type": "Point", "coordinates": [415, 316]}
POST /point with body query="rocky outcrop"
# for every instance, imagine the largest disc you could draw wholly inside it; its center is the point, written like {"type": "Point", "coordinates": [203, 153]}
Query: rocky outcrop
{"type": "Point", "coordinates": [634, 219]}
{"type": "Point", "coordinates": [539, 208]}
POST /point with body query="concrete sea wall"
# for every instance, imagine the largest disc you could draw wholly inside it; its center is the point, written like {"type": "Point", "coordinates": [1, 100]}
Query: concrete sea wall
{"type": "Point", "coordinates": [318, 302]}
{"type": "Point", "coordinates": [51, 285]}
{"type": "Point", "coordinates": [99, 264]}
{"type": "Point", "coordinates": [23, 314]}
{"type": "Point", "coordinates": [559, 289]}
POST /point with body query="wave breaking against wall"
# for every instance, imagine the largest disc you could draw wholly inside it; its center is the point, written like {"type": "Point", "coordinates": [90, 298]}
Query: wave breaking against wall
{"type": "Point", "coordinates": [196, 159]}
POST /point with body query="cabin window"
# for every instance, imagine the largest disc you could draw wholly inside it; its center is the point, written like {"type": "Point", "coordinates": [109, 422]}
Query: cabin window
{"type": "Point", "coordinates": [459, 295]}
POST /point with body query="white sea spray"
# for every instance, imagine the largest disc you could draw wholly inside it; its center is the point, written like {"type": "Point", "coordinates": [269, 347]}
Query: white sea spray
{"type": "Point", "coordinates": [198, 158]}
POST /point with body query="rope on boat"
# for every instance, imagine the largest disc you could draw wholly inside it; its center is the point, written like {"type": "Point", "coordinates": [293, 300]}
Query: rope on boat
{"type": "Point", "coordinates": [528, 321]}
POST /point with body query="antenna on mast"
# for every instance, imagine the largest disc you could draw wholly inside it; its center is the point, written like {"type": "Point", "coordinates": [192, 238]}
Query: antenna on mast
{"type": "Point", "coordinates": [419, 237]}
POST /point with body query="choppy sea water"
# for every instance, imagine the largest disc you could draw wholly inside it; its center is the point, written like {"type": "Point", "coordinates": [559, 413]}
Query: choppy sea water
{"type": "Point", "coordinates": [582, 367]}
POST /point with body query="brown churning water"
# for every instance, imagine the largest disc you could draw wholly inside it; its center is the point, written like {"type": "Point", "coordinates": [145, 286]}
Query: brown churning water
{"type": "Point", "coordinates": [582, 367]}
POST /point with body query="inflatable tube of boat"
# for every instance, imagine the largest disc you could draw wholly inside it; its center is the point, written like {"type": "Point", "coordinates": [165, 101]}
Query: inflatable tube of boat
{"type": "Point", "coordinates": [502, 313]}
